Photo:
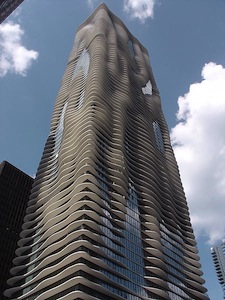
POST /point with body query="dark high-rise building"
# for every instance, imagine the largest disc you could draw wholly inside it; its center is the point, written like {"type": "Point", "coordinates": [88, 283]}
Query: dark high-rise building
{"type": "Point", "coordinates": [218, 256]}
{"type": "Point", "coordinates": [7, 7]}
{"type": "Point", "coordinates": [107, 217]}
{"type": "Point", "coordinates": [15, 189]}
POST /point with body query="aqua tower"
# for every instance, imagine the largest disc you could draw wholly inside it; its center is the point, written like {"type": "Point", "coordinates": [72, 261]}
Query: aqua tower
{"type": "Point", "coordinates": [107, 216]}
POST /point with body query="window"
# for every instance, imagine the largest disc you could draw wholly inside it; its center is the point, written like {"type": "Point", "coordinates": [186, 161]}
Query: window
{"type": "Point", "coordinates": [81, 68]}
{"type": "Point", "coordinates": [82, 64]}
{"type": "Point", "coordinates": [147, 89]}
{"type": "Point", "coordinates": [131, 48]}
{"type": "Point", "coordinates": [158, 136]}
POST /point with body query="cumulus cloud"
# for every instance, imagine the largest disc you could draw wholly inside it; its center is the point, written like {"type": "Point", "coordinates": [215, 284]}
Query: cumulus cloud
{"type": "Point", "coordinates": [14, 57]}
{"type": "Point", "coordinates": [140, 9]}
{"type": "Point", "coordinates": [91, 3]}
{"type": "Point", "coordinates": [199, 145]}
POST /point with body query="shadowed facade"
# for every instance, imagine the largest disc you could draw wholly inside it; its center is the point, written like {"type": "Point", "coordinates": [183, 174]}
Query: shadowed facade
{"type": "Point", "coordinates": [15, 188]}
{"type": "Point", "coordinates": [107, 217]}
{"type": "Point", "coordinates": [218, 256]}
{"type": "Point", "coordinates": [7, 7]}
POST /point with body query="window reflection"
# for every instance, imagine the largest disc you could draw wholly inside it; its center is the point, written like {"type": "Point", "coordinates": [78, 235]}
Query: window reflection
{"type": "Point", "coordinates": [147, 89]}
{"type": "Point", "coordinates": [82, 68]}
{"type": "Point", "coordinates": [131, 48]}
{"type": "Point", "coordinates": [158, 136]}
{"type": "Point", "coordinates": [128, 249]}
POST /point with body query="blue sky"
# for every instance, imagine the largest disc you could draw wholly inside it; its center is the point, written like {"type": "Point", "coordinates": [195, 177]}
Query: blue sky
{"type": "Point", "coordinates": [186, 44]}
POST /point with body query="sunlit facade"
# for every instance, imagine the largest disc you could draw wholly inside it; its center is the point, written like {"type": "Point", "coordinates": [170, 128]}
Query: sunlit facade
{"type": "Point", "coordinates": [107, 218]}
{"type": "Point", "coordinates": [218, 256]}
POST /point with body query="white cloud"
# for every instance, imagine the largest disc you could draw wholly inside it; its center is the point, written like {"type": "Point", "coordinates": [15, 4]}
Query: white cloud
{"type": "Point", "coordinates": [91, 3]}
{"type": "Point", "coordinates": [140, 9]}
{"type": "Point", "coordinates": [199, 145]}
{"type": "Point", "coordinates": [17, 12]}
{"type": "Point", "coordinates": [14, 57]}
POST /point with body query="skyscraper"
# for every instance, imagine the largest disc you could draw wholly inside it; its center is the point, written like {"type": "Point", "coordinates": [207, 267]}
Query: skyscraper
{"type": "Point", "coordinates": [7, 7]}
{"type": "Point", "coordinates": [218, 256]}
{"type": "Point", "coordinates": [15, 188]}
{"type": "Point", "coordinates": [107, 217]}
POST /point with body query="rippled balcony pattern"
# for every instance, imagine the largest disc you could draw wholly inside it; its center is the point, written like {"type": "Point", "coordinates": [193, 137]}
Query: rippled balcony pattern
{"type": "Point", "coordinates": [107, 217]}
{"type": "Point", "coordinates": [218, 256]}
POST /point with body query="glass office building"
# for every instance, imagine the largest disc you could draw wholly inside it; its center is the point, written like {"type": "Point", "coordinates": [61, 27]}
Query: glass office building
{"type": "Point", "coordinates": [7, 7]}
{"type": "Point", "coordinates": [107, 217]}
{"type": "Point", "coordinates": [15, 188]}
{"type": "Point", "coordinates": [218, 256]}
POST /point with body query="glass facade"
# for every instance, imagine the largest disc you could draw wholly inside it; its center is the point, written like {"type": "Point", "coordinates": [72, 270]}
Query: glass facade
{"type": "Point", "coordinates": [80, 74]}
{"type": "Point", "coordinates": [7, 7]}
{"type": "Point", "coordinates": [131, 48]}
{"type": "Point", "coordinates": [58, 140]}
{"type": "Point", "coordinates": [218, 256]}
{"type": "Point", "coordinates": [147, 89]}
{"type": "Point", "coordinates": [158, 136]}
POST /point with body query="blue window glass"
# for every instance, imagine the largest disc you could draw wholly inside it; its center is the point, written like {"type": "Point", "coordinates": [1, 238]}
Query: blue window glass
{"type": "Point", "coordinates": [147, 89]}
{"type": "Point", "coordinates": [158, 136]}
{"type": "Point", "coordinates": [131, 48]}
{"type": "Point", "coordinates": [82, 68]}
{"type": "Point", "coordinates": [129, 245]}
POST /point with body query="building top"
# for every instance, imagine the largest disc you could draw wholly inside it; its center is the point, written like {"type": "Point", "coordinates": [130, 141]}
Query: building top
{"type": "Point", "coordinates": [5, 163]}
{"type": "Point", "coordinates": [100, 22]}
{"type": "Point", "coordinates": [98, 13]}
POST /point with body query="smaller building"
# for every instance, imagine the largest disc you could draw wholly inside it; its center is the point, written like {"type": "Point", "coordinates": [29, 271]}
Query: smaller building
{"type": "Point", "coordinates": [7, 7]}
{"type": "Point", "coordinates": [15, 188]}
{"type": "Point", "coordinates": [218, 256]}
